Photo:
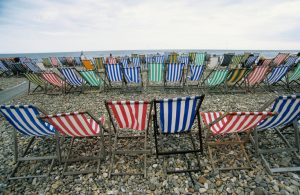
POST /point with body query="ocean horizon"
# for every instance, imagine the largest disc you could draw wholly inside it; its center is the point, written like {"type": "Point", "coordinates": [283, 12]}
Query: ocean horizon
{"type": "Point", "coordinates": [91, 54]}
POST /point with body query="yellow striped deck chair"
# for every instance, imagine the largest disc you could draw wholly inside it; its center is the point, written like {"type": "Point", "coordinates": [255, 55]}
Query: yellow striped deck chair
{"type": "Point", "coordinates": [88, 64]}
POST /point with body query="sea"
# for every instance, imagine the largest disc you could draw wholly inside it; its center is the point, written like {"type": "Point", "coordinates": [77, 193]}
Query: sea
{"type": "Point", "coordinates": [91, 54]}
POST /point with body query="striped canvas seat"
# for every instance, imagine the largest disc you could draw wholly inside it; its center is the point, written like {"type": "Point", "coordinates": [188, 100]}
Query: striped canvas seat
{"type": "Point", "coordinates": [155, 72]}
{"type": "Point", "coordinates": [74, 124]}
{"type": "Point", "coordinates": [47, 62]}
{"type": "Point", "coordinates": [217, 77]}
{"type": "Point", "coordinates": [232, 122]}
{"type": "Point", "coordinates": [19, 67]}
{"type": "Point", "coordinates": [196, 72]}
{"type": "Point", "coordinates": [288, 109]}
{"type": "Point", "coordinates": [124, 62]}
{"type": "Point", "coordinates": [277, 74]}
{"type": "Point", "coordinates": [296, 74]}
{"type": "Point", "coordinates": [290, 60]}
{"type": "Point", "coordinates": [235, 61]}
{"type": "Point", "coordinates": [159, 59]}
{"type": "Point", "coordinates": [235, 76]}
{"type": "Point", "coordinates": [35, 78]}
{"type": "Point", "coordinates": [226, 59]}
{"type": "Point", "coordinates": [136, 61]}
{"type": "Point", "coordinates": [173, 58]}
{"type": "Point", "coordinates": [54, 61]}
{"type": "Point", "coordinates": [149, 59]}
{"type": "Point", "coordinates": [53, 79]}
{"type": "Point", "coordinates": [111, 60]}
{"type": "Point", "coordinates": [32, 67]}
{"type": "Point", "coordinates": [250, 61]}
{"type": "Point", "coordinates": [279, 59]}
{"type": "Point", "coordinates": [62, 60]}
{"type": "Point", "coordinates": [24, 119]}
{"type": "Point", "coordinates": [184, 60]}
{"type": "Point", "coordinates": [3, 67]}
{"type": "Point", "coordinates": [178, 114]}
{"type": "Point", "coordinates": [132, 74]}
{"type": "Point", "coordinates": [174, 72]}
{"type": "Point", "coordinates": [71, 77]}
{"type": "Point", "coordinates": [99, 63]}
{"type": "Point", "coordinates": [91, 77]}
{"type": "Point", "coordinates": [88, 65]}
{"type": "Point", "coordinates": [113, 72]}
{"type": "Point", "coordinates": [200, 59]}
{"type": "Point", "coordinates": [77, 61]}
{"type": "Point", "coordinates": [257, 75]}
{"type": "Point", "coordinates": [130, 114]}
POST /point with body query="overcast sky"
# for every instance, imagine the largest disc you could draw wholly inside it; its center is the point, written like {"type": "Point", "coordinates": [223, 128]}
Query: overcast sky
{"type": "Point", "coordinates": [75, 25]}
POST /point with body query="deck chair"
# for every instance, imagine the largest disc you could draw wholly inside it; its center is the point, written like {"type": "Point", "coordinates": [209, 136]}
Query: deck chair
{"type": "Point", "coordinates": [133, 116]}
{"type": "Point", "coordinates": [92, 78]}
{"type": "Point", "coordinates": [135, 61]}
{"type": "Point", "coordinates": [174, 75]}
{"type": "Point", "coordinates": [36, 79]}
{"type": "Point", "coordinates": [111, 60]}
{"type": "Point", "coordinates": [194, 74]}
{"type": "Point", "coordinates": [77, 61]}
{"type": "Point", "coordinates": [200, 59]}
{"type": "Point", "coordinates": [26, 124]}
{"type": "Point", "coordinates": [224, 128]}
{"type": "Point", "coordinates": [159, 59]}
{"type": "Point", "coordinates": [192, 57]}
{"type": "Point", "coordinates": [245, 57]}
{"type": "Point", "coordinates": [173, 58]}
{"type": "Point", "coordinates": [288, 111]}
{"type": "Point", "coordinates": [216, 78]}
{"type": "Point", "coordinates": [176, 117]}
{"type": "Point", "coordinates": [124, 62]}
{"type": "Point", "coordinates": [113, 74]}
{"type": "Point", "coordinates": [226, 59]}
{"type": "Point", "coordinates": [72, 78]}
{"type": "Point", "coordinates": [62, 60]}
{"type": "Point", "coordinates": [21, 69]}
{"type": "Point", "coordinates": [250, 61]}
{"type": "Point", "coordinates": [184, 59]}
{"type": "Point", "coordinates": [155, 74]}
{"type": "Point", "coordinates": [294, 77]}
{"type": "Point", "coordinates": [54, 62]}
{"type": "Point", "coordinates": [32, 67]}
{"type": "Point", "coordinates": [47, 62]}
{"type": "Point", "coordinates": [256, 77]}
{"type": "Point", "coordinates": [4, 69]}
{"type": "Point", "coordinates": [99, 64]}
{"type": "Point", "coordinates": [279, 59]}
{"type": "Point", "coordinates": [70, 61]}
{"type": "Point", "coordinates": [54, 80]}
{"type": "Point", "coordinates": [235, 76]}
{"type": "Point", "coordinates": [78, 125]}
{"type": "Point", "coordinates": [133, 75]}
{"type": "Point", "coordinates": [41, 66]}
{"type": "Point", "coordinates": [236, 61]}
{"type": "Point", "coordinates": [88, 65]}
{"type": "Point", "coordinates": [290, 61]}
{"type": "Point", "coordinates": [276, 75]}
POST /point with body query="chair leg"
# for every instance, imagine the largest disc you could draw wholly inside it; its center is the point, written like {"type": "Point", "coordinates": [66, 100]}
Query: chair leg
{"type": "Point", "coordinates": [113, 155]}
{"type": "Point", "coordinates": [65, 169]}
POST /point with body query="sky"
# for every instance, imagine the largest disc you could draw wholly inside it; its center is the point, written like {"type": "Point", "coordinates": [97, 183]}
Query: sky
{"type": "Point", "coordinates": [29, 26]}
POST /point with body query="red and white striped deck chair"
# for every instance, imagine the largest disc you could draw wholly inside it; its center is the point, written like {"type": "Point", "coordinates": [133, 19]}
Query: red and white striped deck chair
{"type": "Point", "coordinates": [55, 62]}
{"type": "Point", "coordinates": [78, 125]}
{"type": "Point", "coordinates": [223, 128]}
{"type": "Point", "coordinates": [55, 80]}
{"type": "Point", "coordinates": [134, 116]}
{"type": "Point", "coordinates": [279, 59]}
{"type": "Point", "coordinates": [256, 76]}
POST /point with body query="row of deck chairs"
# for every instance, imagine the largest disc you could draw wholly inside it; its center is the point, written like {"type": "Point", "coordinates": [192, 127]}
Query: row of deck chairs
{"type": "Point", "coordinates": [172, 117]}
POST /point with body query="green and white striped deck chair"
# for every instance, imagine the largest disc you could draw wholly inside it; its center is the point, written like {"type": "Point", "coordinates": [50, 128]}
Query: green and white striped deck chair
{"type": "Point", "coordinates": [217, 78]}
{"type": "Point", "coordinates": [92, 78]}
{"type": "Point", "coordinates": [294, 77]}
{"type": "Point", "coordinates": [37, 80]}
{"type": "Point", "coordinates": [200, 59]}
{"type": "Point", "coordinates": [235, 61]}
{"type": "Point", "coordinates": [155, 73]}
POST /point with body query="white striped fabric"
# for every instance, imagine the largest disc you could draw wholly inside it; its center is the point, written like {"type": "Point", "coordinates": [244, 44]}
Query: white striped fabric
{"type": "Point", "coordinates": [277, 74]}
{"type": "Point", "coordinates": [124, 62]}
{"type": "Point", "coordinates": [71, 77]}
{"type": "Point", "coordinates": [159, 59]}
{"type": "Point", "coordinates": [257, 75]}
{"type": "Point", "coordinates": [291, 60]}
{"type": "Point", "coordinates": [24, 119]}
{"type": "Point", "coordinates": [250, 61]}
{"type": "Point", "coordinates": [288, 109]}
{"type": "Point", "coordinates": [196, 72]}
{"type": "Point", "coordinates": [174, 72]}
{"type": "Point", "coordinates": [132, 74]}
{"type": "Point", "coordinates": [113, 72]}
{"type": "Point", "coordinates": [178, 114]}
{"type": "Point", "coordinates": [136, 61]}
{"type": "Point", "coordinates": [184, 60]}
{"type": "Point", "coordinates": [2, 67]}
{"type": "Point", "coordinates": [149, 59]}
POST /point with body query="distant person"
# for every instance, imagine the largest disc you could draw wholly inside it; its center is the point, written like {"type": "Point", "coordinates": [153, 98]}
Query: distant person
{"type": "Point", "coordinates": [111, 60]}
{"type": "Point", "coordinates": [82, 56]}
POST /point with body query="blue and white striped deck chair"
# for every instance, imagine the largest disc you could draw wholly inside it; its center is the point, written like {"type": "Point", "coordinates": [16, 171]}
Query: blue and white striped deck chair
{"type": "Point", "coordinates": [149, 59]}
{"type": "Point", "coordinates": [159, 59]}
{"type": "Point", "coordinates": [77, 61]}
{"type": "Point", "coordinates": [291, 60]}
{"type": "Point", "coordinates": [72, 77]}
{"type": "Point", "coordinates": [113, 73]}
{"type": "Point", "coordinates": [250, 61]}
{"type": "Point", "coordinates": [124, 62]}
{"type": "Point", "coordinates": [176, 116]}
{"type": "Point", "coordinates": [24, 120]}
{"type": "Point", "coordinates": [174, 74]}
{"type": "Point", "coordinates": [195, 73]}
{"type": "Point", "coordinates": [277, 74]}
{"type": "Point", "coordinates": [133, 75]}
{"type": "Point", "coordinates": [32, 67]}
{"type": "Point", "coordinates": [135, 61]}
{"type": "Point", "coordinates": [4, 69]}
{"type": "Point", "coordinates": [184, 60]}
{"type": "Point", "coordinates": [288, 109]}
